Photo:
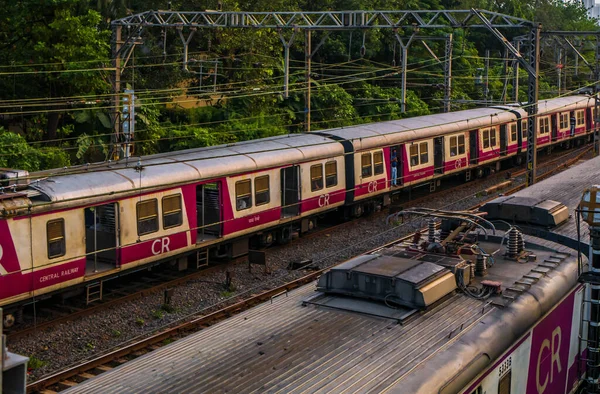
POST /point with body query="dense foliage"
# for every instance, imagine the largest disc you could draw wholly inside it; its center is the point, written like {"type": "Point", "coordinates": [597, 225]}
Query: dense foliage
{"type": "Point", "coordinates": [55, 81]}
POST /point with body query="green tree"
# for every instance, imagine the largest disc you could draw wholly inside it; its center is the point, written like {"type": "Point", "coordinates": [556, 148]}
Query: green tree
{"type": "Point", "coordinates": [16, 153]}
{"type": "Point", "coordinates": [57, 50]}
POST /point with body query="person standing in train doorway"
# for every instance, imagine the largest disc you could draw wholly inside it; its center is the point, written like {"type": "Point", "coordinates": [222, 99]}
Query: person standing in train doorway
{"type": "Point", "coordinates": [394, 167]}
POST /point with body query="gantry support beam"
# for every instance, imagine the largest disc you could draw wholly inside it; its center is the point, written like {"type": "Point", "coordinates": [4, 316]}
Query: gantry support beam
{"type": "Point", "coordinates": [325, 20]}
{"type": "Point", "coordinates": [404, 60]}
{"type": "Point", "coordinates": [532, 103]}
{"type": "Point", "coordinates": [448, 74]}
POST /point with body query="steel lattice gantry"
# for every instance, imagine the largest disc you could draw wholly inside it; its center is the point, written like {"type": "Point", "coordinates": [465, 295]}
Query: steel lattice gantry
{"type": "Point", "coordinates": [408, 21]}
{"type": "Point", "coordinates": [327, 20]}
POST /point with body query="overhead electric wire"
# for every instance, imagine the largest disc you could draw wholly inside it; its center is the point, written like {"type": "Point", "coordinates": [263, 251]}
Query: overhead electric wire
{"type": "Point", "coordinates": [183, 126]}
{"type": "Point", "coordinates": [196, 159]}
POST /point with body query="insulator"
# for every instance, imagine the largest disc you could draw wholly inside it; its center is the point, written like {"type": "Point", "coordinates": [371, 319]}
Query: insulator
{"type": "Point", "coordinates": [480, 265]}
{"type": "Point", "coordinates": [431, 231]}
{"type": "Point", "coordinates": [444, 234]}
{"type": "Point", "coordinates": [512, 246]}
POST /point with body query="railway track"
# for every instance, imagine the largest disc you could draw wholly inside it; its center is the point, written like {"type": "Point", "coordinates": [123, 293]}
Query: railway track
{"type": "Point", "coordinates": [107, 361]}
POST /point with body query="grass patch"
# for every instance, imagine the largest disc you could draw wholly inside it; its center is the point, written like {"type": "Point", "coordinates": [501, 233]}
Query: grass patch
{"type": "Point", "coordinates": [158, 314]}
{"type": "Point", "coordinates": [139, 321]}
{"type": "Point", "coordinates": [35, 363]}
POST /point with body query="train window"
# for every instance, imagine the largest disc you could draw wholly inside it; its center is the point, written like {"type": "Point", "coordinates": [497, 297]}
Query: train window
{"type": "Point", "coordinates": [414, 155]}
{"type": "Point", "coordinates": [580, 120]}
{"type": "Point", "coordinates": [424, 154]}
{"type": "Point", "coordinates": [544, 125]}
{"type": "Point", "coordinates": [378, 162]}
{"type": "Point", "coordinates": [55, 235]}
{"type": "Point", "coordinates": [316, 177]}
{"type": "Point", "coordinates": [261, 190]}
{"type": "Point", "coordinates": [564, 121]}
{"type": "Point", "coordinates": [367, 169]}
{"type": "Point", "coordinates": [243, 195]}
{"type": "Point", "coordinates": [461, 145]}
{"type": "Point", "coordinates": [331, 173]}
{"type": "Point", "coordinates": [513, 132]}
{"type": "Point", "coordinates": [457, 145]}
{"type": "Point", "coordinates": [147, 216]}
{"type": "Point", "coordinates": [524, 129]}
{"type": "Point", "coordinates": [453, 146]}
{"type": "Point", "coordinates": [485, 138]}
{"type": "Point", "coordinates": [493, 133]}
{"type": "Point", "coordinates": [171, 210]}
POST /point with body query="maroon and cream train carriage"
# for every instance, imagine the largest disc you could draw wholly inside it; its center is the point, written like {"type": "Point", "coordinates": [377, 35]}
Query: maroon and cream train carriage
{"type": "Point", "coordinates": [69, 230]}
{"type": "Point", "coordinates": [81, 226]}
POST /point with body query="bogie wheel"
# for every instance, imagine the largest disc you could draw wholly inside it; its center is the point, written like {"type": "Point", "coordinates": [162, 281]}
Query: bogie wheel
{"type": "Point", "coordinates": [284, 235]}
{"type": "Point", "coordinates": [479, 172]}
{"type": "Point", "coordinates": [267, 239]}
{"type": "Point", "coordinates": [358, 210]}
{"type": "Point", "coordinates": [9, 320]}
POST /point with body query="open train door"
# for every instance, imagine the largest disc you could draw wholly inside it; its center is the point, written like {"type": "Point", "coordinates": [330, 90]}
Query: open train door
{"type": "Point", "coordinates": [400, 164]}
{"type": "Point", "coordinates": [290, 191]}
{"type": "Point", "coordinates": [554, 126]}
{"type": "Point", "coordinates": [438, 155]}
{"type": "Point", "coordinates": [503, 137]}
{"type": "Point", "coordinates": [473, 147]}
{"type": "Point", "coordinates": [101, 237]}
{"type": "Point", "coordinates": [208, 211]}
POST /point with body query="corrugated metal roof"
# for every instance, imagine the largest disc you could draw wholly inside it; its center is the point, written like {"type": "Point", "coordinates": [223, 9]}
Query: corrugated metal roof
{"type": "Point", "coordinates": [283, 347]}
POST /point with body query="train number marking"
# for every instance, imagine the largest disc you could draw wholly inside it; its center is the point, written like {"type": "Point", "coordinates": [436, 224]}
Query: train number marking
{"type": "Point", "coordinates": [323, 200]}
{"type": "Point", "coordinates": [372, 186]}
{"type": "Point", "coordinates": [554, 348]}
{"type": "Point", "coordinates": [160, 246]}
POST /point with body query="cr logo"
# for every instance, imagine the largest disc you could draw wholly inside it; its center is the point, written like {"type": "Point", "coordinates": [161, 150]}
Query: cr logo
{"type": "Point", "coordinates": [372, 186]}
{"type": "Point", "coordinates": [323, 200]}
{"type": "Point", "coordinates": [160, 245]}
{"type": "Point", "coordinates": [458, 163]}
{"type": "Point", "coordinates": [553, 346]}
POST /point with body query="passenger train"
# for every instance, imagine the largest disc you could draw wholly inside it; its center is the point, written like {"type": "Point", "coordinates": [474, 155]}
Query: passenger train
{"type": "Point", "coordinates": [78, 227]}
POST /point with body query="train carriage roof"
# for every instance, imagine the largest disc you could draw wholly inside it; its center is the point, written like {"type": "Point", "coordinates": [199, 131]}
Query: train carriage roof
{"type": "Point", "coordinates": [162, 170]}
{"type": "Point", "coordinates": [394, 132]}
{"type": "Point", "coordinates": [171, 168]}
{"type": "Point", "coordinates": [567, 103]}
